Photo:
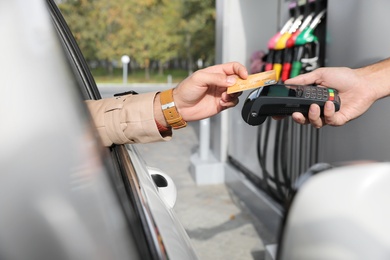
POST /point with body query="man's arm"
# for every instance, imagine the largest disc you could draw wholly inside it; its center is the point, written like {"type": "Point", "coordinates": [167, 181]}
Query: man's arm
{"type": "Point", "coordinates": [358, 90]}
{"type": "Point", "coordinates": [378, 75]}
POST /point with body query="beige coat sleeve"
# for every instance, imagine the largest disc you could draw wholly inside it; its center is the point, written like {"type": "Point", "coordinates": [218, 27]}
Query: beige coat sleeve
{"type": "Point", "coordinates": [126, 119]}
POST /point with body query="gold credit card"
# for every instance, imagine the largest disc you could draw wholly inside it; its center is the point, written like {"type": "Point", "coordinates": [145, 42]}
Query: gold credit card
{"type": "Point", "coordinates": [253, 81]}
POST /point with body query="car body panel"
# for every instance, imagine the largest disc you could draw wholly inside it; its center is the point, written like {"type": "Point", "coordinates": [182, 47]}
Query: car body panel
{"type": "Point", "coordinates": [180, 245]}
{"type": "Point", "coordinates": [339, 213]}
{"type": "Point", "coordinates": [64, 196]}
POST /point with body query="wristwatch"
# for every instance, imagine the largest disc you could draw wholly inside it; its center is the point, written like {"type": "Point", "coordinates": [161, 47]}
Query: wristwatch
{"type": "Point", "coordinates": [170, 112]}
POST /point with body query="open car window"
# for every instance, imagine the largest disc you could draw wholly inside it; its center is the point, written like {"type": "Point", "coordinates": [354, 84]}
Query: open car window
{"type": "Point", "coordinates": [85, 79]}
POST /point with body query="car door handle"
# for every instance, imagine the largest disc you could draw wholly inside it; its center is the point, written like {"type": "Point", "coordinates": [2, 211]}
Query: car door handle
{"type": "Point", "coordinates": [165, 186]}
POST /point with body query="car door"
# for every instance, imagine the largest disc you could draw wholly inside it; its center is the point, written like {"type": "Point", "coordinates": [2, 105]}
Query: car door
{"type": "Point", "coordinates": [63, 195]}
{"type": "Point", "coordinates": [150, 192]}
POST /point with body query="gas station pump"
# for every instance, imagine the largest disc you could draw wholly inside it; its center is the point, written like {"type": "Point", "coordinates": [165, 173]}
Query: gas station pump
{"type": "Point", "coordinates": [285, 149]}
{"type": "Point", "coordinates": [272, 157]}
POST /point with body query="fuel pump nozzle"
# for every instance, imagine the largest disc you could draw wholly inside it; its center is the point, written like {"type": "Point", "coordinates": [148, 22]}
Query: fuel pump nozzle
{"type": "Point", "coordinates": [288, 55]}
{"type": "Point", "coordinates": [272, 42]}
{"type": "Point", "coordinates": [305, 42]}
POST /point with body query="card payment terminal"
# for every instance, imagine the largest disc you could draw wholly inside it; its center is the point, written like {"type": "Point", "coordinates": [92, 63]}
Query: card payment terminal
{"type": "Point", "coordinates": [283, 100]}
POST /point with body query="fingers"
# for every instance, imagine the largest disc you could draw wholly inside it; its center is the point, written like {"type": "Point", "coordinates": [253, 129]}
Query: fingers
{"type": "Point", "coordinates": [206, 79]}
{"type": "Point", "coordinates": [299, 118]}
{"type": "Point", "coordinates": [231, 80]}
{"type": "Point", "coordinates": [222, 75]}
{"type": "Point", "coordinates": [229, 100]}
{"type": "Point", "coordinates": [228, 104]}
{"type": "Point", "coordinates": [231, 68]}
{"type": "Point", "coordinates": [307, 78]}
{"type": "Point", "coordinates": [330, 116]}
{"type": "Point", "coordinates": [240, 70]}
{"type": "Point", "coordinates": [229, 97]}
{"type": "Point", "coordinates": [314, 116]}
{"type": "Point", "coordinates": [219, 79]}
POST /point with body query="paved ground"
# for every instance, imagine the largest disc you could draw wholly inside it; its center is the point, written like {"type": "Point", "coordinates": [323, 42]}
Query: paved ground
{"type": "Point", "coordinates": [218, 225]}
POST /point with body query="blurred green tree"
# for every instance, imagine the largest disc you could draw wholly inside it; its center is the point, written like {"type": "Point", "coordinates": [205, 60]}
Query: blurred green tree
{"type": "Point", "coordinates": [157, 35]}
{"type": "Point", "coordinates": [148, 31]}
{"type": "Point", "coordinates": [198, 23]}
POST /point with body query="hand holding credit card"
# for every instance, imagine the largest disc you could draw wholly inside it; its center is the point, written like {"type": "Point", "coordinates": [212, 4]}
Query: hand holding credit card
{"type": "Point", "coordinates": [253, 81]}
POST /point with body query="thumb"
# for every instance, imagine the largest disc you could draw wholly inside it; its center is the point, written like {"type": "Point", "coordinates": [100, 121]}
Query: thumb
{"type": "Point", "coordinates": [216, 79]}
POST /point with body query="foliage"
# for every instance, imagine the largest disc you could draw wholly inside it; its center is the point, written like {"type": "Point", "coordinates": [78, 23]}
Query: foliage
{"type": "Point", "coordinates": [199, 27]}
{"type": "Point", "coordinates": [148, 31]}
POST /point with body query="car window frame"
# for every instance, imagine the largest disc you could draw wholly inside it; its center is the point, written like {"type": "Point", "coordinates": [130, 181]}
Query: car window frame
{"type": "Point", "coordinates": [73, 52]}
{"type": "Point", "coordinates": [122, 174]}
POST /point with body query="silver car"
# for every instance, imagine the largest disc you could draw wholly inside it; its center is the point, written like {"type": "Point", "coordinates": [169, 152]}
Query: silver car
{"type": "Point", "coordinates": [63, 195]}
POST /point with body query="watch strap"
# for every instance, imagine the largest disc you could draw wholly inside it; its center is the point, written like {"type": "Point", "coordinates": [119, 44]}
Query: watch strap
{"type": "Point", "coordinates": [170, 112]}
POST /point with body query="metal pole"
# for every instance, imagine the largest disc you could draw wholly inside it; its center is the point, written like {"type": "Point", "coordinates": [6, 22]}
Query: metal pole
{"type": "Point", "coordinates": [124, 74]}
{"type": "Point", "coordinates": [204, 142]}
{"type": "Point", "coordinates": [125, 61]}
